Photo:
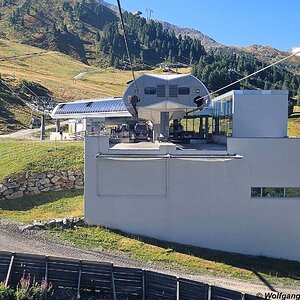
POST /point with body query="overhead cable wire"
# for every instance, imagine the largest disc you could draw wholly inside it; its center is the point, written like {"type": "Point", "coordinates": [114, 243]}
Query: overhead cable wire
{"type": "Point", "coordinates": [31, 91]}
{"type": "Point", "coordinates": [250, 75]}
{"type": "Point", "coordinates": [126, 45]}
{"type": "Point", "coordinates": [15, 94]}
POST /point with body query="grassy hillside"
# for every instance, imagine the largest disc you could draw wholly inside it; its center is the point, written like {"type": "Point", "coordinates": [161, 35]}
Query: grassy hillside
{"type": "Point", "coordinates": [49, 206]}
{"type": "Point", "coordinates": [55, 72]}
{"type": "Point", "coordinates": [65, 26]}
{"type": "Point", "coordinates": [18, 157]}
{"type": "Point", "coordinates": [294, 123]}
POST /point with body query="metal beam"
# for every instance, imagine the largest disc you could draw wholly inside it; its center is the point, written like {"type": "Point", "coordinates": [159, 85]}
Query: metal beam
{"type": "Point", "coordinates": [9, 269]}
{"type": "Point", "coordinates": [113, 283]}
{"type": "Point", "coordinates": [43, 124]}
{"type": "Point", "coordinates": [79, 280]}
{"type": "Point", "coordinates": [46, 277]}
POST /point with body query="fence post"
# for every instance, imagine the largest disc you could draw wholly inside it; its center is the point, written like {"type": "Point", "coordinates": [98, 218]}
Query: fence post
{"type": "Point", "coordinates": [79, 280]}
{"type": "Point", "coordinates": [46, 278]}
{"type": "Point", "coordinates": [177, 289]}
{"type": "Point", "coordinates": [143, 285]}
{"type": "Point", "coordinates": [209, 293]}
{"type": "Point", "coordinates": [113, 282]}
{"type": "Point", "coordinates": [9, 269]}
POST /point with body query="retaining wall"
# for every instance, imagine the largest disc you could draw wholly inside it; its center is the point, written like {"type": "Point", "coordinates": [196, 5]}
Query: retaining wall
{"type": "Point", "coordinates": [36, 183]}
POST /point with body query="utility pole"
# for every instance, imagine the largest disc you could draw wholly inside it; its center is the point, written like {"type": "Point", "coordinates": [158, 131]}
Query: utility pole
{"type": "Point", "coordinates": [149, 13]}
{"type": "Point", "coordinates": [14, 64]}
{"type": "Point", "coordinates": [57, 125]}
{"type": "Point", "coordinates": [43, 123]}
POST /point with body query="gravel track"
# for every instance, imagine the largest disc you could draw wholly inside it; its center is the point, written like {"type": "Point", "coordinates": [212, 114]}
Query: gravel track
{"type": "Point", "coordinates": [13, 240]}
{"type": "Point", "coordinates": [28, 133]}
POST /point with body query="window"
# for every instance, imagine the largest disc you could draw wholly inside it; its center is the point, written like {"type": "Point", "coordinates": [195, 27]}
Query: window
{"type": "Point", "coordinates": [255, 192]}
{"type": "Point", "coordinates": [173, 90]}
{"type": "Point", "coordinates": [161, 90]}
{"type": "Point", "coordinates": [271, 192]}
{"type": "Point", "coordinates": [184, 91]}
{"type": "Point", "coordinates": [222, 115]}
{"type": "Point", "coordinates": [292, 192]}
{"type": "Point", "coordinates": [275, 192]}
{"type": "Point", "coordinates": [150, 90]}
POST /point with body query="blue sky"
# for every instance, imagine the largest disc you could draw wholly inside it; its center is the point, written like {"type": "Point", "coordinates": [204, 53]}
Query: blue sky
{"type": "Point", "coordinates": [230, 22]}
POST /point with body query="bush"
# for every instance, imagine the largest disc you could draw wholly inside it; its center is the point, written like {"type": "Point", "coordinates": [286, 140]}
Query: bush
{"type": "Point", "coordinates": [6, 293]}
{"type": "Point", "coordinates": [31, 291]}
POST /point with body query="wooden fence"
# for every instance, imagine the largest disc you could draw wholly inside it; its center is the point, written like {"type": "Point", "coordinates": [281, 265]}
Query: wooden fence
{"type": "Point", "coordinates": [112, 281]}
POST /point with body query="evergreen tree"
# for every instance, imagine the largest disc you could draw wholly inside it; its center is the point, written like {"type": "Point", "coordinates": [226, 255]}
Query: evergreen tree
{"type": "Point", "coordinates": [116, 63]}
{"type": "Point", "coordinates": [98, 36]}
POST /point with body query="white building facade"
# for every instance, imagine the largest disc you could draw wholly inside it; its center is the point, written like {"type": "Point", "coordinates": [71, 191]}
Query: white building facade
{"type": "Point", "coordinates": [240, 197]}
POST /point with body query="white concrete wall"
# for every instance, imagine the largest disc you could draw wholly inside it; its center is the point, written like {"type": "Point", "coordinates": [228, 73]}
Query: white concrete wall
{"type": "Point", "coordinates": [199, 201]}
{"type": "Point", "coordinates": [260, 113]}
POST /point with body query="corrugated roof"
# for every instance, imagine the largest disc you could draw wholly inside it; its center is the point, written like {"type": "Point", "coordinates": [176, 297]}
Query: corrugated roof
{"type": "Point", "coordinates": [91, 106]}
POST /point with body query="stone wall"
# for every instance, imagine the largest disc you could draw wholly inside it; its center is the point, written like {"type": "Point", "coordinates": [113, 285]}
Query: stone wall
{"type": "Point", "coordinates": [36, 183]}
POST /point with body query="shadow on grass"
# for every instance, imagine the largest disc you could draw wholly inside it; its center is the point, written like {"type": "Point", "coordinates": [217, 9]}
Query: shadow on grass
{"type": "Point", "coordinates": [28, 202]}
{"type": "Point", "coordinates": [261, 266]}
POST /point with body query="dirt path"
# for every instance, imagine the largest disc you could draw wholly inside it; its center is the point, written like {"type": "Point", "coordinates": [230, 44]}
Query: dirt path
{"type": "Point", "coordinates": [28, 133]}
{"type": "Point", "coordinates": [25, 56]}
{"type": "Point", "coordinates": [13, 240]}
{"type": "Point", "coordinates": [80, 75]}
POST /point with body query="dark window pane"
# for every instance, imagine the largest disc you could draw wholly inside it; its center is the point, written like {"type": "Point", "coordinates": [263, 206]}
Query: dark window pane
{"type": "Point", "coordinates": [161, 90]}
{"type": "Point", "coordinates": [292, 192]}
{"type": "Point", "coordinates": [269, 192]}
{"type": "Point", "coordinates": [184, 91]}
{"type": "Point", "coordinates": [150, 90]}
{"type": "Point", "coordinates": [255, 192]}
{"type": "Point", "coordinates": [173, 90]}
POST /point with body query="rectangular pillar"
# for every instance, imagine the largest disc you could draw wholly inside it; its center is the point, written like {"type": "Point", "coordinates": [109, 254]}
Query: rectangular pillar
{"type": "Point", "coordinates": [201, 131]}
{"type": "Point", "coordinates": [206, 127]}
{"type": "Point", "coordinates": [164, 126]}
{"type": "Point", "coordinates": [43, 127]}
{"type": "Point", "coordinates": [57, 123]}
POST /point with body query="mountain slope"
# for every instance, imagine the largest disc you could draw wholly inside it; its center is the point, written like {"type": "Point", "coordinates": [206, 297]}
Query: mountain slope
{"type": "Point", "coordinates": [265, 53]}
{"type": "Point", "coordinates": [269, 55]}
{"type": "Point", "coordinates": [206, 41]}
{"type": "Point", "coordinates": [91, 33]}
{"type": "Point", "coordinates": [66, 26]}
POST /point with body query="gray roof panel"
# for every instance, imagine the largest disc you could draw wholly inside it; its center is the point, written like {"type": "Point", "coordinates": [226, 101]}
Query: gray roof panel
{"type": "Point", "coordinates": [91, 106]}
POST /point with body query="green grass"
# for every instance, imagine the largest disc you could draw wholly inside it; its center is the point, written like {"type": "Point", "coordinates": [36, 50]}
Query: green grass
{"type": "Point", "coordinates": [203, 261]}
{"type": "Point", "coordinates": [294, 123]}
{"type": "Point", "coordinates": [294, 127]}
{"type": "Point", "coordinates": [46, 206]}
{"type": "Point", "coordinates": [18, 157]}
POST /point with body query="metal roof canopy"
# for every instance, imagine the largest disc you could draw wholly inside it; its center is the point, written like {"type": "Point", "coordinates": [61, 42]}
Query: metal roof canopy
{"type": "Point", "coordinates": [91, 108]}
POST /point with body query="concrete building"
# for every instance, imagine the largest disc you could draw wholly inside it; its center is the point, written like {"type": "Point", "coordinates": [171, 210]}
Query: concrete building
{"type": "Point", "coordinates": [239, 194]}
